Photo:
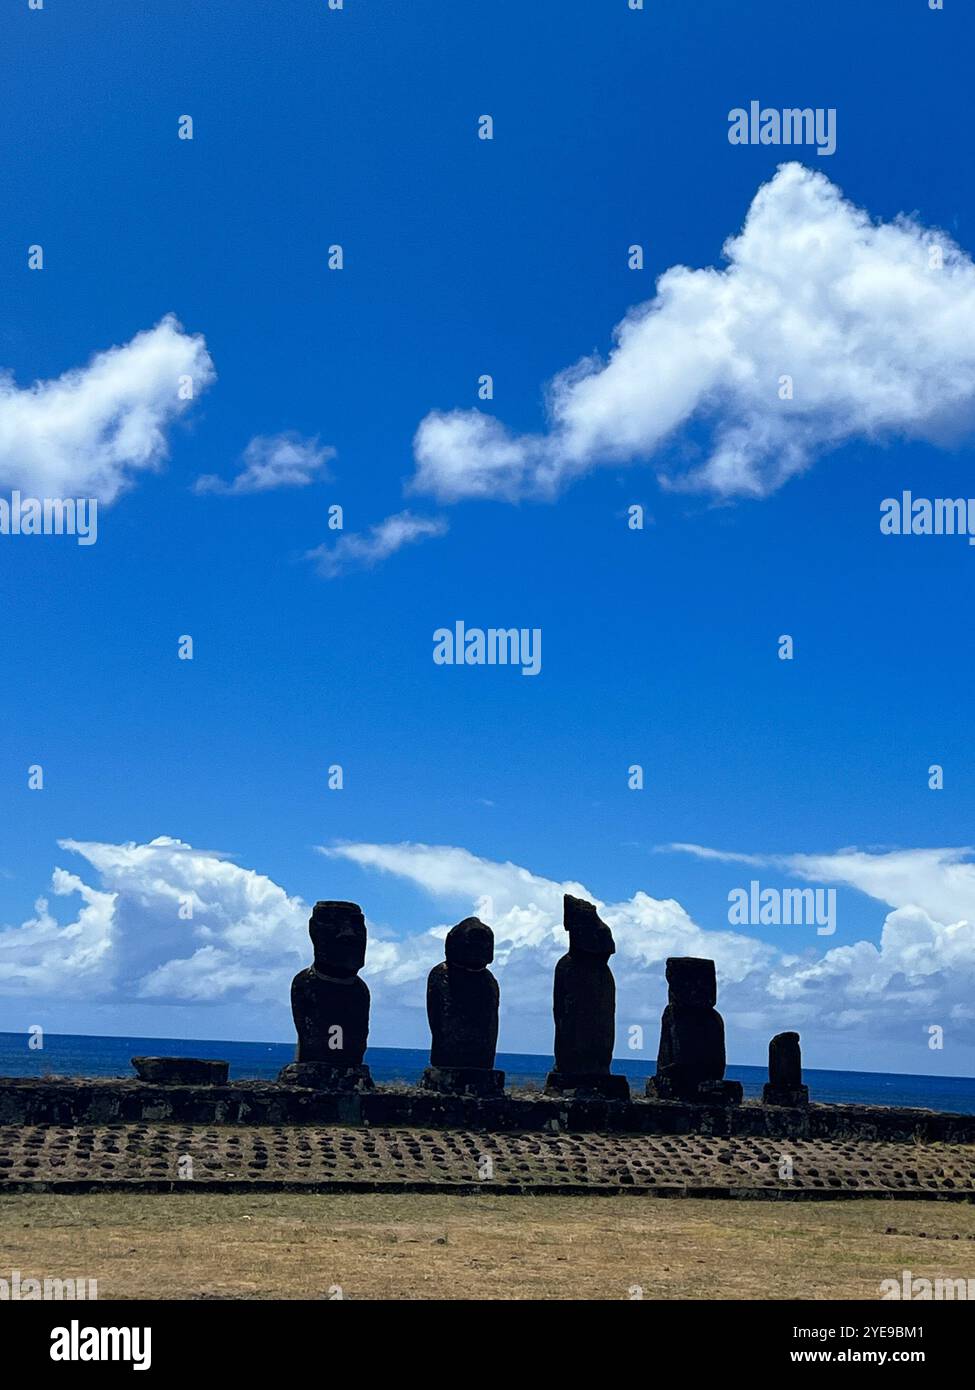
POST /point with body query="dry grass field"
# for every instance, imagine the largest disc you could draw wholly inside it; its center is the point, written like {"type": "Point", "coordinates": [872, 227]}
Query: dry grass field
{"type": "Point", "coordinates": [403, 1246]}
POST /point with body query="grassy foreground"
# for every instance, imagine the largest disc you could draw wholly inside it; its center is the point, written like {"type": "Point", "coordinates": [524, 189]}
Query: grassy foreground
{"type": "Point", "coordinates": [414, 1246]}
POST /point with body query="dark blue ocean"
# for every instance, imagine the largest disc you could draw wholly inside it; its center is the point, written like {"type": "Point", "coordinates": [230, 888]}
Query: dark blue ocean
{"type": "Point", "coordinates": [70, 1055]}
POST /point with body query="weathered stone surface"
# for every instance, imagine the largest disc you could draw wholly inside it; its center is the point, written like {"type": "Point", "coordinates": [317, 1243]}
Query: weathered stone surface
{"type": "Point", "coordinates": [411, 1157]}
{"type": "Point", "coordinates": [785, 1072]}
{"type": "Point", "coordinates": [587, 1085]}
{"type": "Point", "coordinates": [584, 1007]}
{"type": "Point", "coordinates": [462, 1000]}
{"type": "Point", "coordinates": [464, 1081]}
{"type": "Point", "coordinates": [692, 982]}
{"type": "Point", "coordinates": [691, 1056]}
{"type": "Point", "coordinates": [112, 1101]}
{"type": "Point", "coordinates": [785, 1060]}
{"type": "Point", "coordinates": [785, 1096]}
{"type": "Point", "coordinates": [321, 1076]}
{"type": "Point", "coordinates": [329, 1003]}
{"type": "Point", "coordinates": [181, 1071]}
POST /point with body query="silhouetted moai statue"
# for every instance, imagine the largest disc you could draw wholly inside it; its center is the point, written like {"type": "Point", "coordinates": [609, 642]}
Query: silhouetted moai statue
{"type": "Point", "coordinates": [785, 1072]}
{"type": "Point", "coordinates": [330, 1004]}
{"type": "Point", "coordinates": [462, 1006]}
{"type": "Point", "coordinates": [584, 1006]}
{"type": "Point", "coordinates": [691, 1057]}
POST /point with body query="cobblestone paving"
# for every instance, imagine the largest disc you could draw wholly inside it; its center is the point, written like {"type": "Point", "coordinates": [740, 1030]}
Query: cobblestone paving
{"type": "Point", "coordinates": [156, 1154]}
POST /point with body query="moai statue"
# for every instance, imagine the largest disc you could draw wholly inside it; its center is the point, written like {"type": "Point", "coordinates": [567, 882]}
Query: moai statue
{"type": "Point", "coordinates": [691, 1057]}
{"type": "Point", "coordinates": [462, 1006]}
{"type": "Point", "coordinates": [584, 1006]}
{"type": "Point", "coordinates": [785, 1072]}
{"type": "Point", "coordinates": [330, 1004]}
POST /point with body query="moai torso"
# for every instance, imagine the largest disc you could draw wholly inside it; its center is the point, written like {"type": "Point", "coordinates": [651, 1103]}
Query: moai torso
{"type": "Point", "coordinates": [331, 1017]}
{"type": "Point", "coordinates": [691, 1045]}
{"type": "Point", "coordinates": [584, 1005]}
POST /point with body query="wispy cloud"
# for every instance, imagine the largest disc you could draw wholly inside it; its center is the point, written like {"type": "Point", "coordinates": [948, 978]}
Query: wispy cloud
{"type": "Point", "coordinates": [702, 852]}
{"type": "Point", "coordinates": [273, 461]}
{"type": "Point", "coordinates": [877, 341]}
{"type": "Point", "coordinates": [363, 551]}
{"type": "Point", "coordinates": [941, 881]}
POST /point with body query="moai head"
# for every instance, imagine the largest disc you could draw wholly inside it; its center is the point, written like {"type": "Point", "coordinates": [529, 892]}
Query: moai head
{"type": "Point", "coordinates": [691, 981]}
{"type": "Point", "coordinates": [338, 934]}
{"type": "Point", "coordinates": [470, 945]}
{"type": "Point", "coordinates": [588, 935]}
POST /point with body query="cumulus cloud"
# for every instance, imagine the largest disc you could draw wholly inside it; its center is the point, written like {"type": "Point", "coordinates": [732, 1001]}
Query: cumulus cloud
{"type": "Point", "coordinates": [925, 957]}
{"type": "Point", "coordinates": [192, 925]}
{"type": "Point", "coordinates": [42, 956]}
{"type": "Point", "coordinates": [878, 344]}
{"type": "Point", "coordinates": [375, 545]}
{"type": "Point", "coordinates": [273, 461]}
{"type": "Point", "coordinates": [90, 431]}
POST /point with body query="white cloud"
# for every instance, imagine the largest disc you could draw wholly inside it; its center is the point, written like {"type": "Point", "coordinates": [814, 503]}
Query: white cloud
{"type": "Point", "coordinates": [923, 966]}
{"type": "Point", "coordinates": [377, 544]}
{"type": "Point", "coordinates": [926, 955]}
{"type": "Point", "coordinates": [273, 461]}
{"type": "Point", "coordinates": [877, 344]}
{"type": "Point", "coordinates": [246, 936]}
{"type": "Point", "coordinates": [210, 974]}
{"type": "Point", "coordinates": [465, 453]}
{"type": "Point", "coordinates": [919, 965]}
{"type": "Point", "coordinates": [90, 431]}
{"type": "Point", "coordinates": [43, 957]}
{"type": "Point", "coordinates": [941, 881]}
{"type": "Point", "coordinates": [718, 855]}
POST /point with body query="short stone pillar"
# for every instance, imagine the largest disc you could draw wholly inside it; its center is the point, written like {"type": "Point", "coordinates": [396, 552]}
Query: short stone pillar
{"type": "Point", "coordinates": [691, 1057]}
{"type": "Point", "coordinates": [330, 1004]}
{"type": "Point", "coordinates": [181, 1071]}
{"type": "Point", "coordinates": [584, 1006]}
{"type": "Point", "coordinates": [462, 1008]}
{"type": "Point", "coordinates": [785, 1072]}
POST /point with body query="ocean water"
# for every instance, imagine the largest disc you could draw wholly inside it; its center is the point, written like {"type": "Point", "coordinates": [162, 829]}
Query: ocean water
{"type": "Point", "coordinates": [75, 1055]}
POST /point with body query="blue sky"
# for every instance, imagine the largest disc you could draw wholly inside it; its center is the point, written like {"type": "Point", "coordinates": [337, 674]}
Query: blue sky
{"type": "Point", "coordinates": [463, 256]}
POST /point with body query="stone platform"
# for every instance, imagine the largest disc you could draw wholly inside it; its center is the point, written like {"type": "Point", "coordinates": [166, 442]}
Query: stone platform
{"type": "Point", "coordinates": [151, 1157]}
{"type": "Point", "coordinates": [70, 1101]}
